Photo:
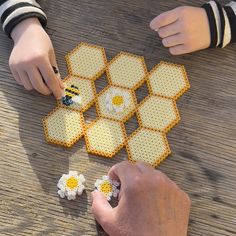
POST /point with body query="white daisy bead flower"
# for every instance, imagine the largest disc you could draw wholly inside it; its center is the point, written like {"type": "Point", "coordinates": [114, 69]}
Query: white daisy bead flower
{"type": "Point", "coordinates": [70, 185]}
{"type": "Point", "coordinates": [108, 187]}
{"type": "Point", "coordinates": [117, 100]}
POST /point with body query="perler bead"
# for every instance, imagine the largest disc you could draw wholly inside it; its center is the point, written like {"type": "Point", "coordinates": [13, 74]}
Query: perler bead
{"type": "Point", "coordinates": [63, 126]}
{"type": "Point", "coordinates": [147, 145]}
{"type": "Point", "coordinates": [71, 185]}
{"type": "Point", "coordinates": [86, 61]}
{"type": "Point", "coordinates": [158, 113]}
{"type": "Point", "coordinates": [105, 137]}
{"type": "Point", "coordinates": [116, 103]}
{"type": "Point", "coordinates": [127, 70]}
{"type": "Point", "coordinates": [168, 80]}
{"type": "Point", "coordinates": [83, 89]}
{"type": "Point", "coordinates": [107, 187]}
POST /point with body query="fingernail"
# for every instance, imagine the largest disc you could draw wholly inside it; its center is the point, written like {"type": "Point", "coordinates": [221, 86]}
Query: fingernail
{"type": "Point", "coordinates": [156, 30]}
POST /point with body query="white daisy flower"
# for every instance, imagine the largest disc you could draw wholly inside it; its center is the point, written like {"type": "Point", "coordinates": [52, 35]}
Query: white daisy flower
{"type": "Point", "coordinates": [70, 185]}
{"type": "Point", "coordinates": [108, 187]}
{"type": "Point", "coordinates": [117, 100]}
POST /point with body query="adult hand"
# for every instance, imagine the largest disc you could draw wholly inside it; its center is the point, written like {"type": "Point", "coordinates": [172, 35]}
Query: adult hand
{"type": "Point", "coordinates": [32, 59]}
{"type": "Point", "coordinates": [183, 29]}
{"type": "Point", "coordinates": [150, 204]}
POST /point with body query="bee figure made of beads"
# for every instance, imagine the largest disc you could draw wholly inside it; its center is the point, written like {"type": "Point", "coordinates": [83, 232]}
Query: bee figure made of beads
{"type": "Point", "coordinates": [72, 95]}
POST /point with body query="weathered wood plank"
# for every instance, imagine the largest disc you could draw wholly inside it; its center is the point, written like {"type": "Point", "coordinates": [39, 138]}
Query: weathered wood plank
{"type": "Point", "coordinates": [203, 145]}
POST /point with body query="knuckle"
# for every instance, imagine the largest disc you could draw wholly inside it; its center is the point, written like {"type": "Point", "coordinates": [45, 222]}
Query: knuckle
{"type": "Point", "coordinates": [136, 185]}
{"type": "Point", "coordinates": [39, 56]}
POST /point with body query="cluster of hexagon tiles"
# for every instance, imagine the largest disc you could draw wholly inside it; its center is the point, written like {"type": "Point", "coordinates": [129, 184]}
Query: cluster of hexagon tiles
{"type": "Point", "coordinates": [156, 114]}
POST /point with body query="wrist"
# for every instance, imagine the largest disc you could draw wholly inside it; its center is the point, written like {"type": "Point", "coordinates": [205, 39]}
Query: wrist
{"type": "Point", "coordinates": [26, 25]}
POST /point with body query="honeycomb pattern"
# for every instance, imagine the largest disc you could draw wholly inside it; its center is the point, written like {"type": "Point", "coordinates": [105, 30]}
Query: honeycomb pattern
{"type": "Point", "coordinates": [105, 136]}
{"type": "Point", "coordinates": [80, 64]}
{"type": "Point", "coordinates": [127, 70]}
{"type": "Point", "coordinates": [168, 80]}
{"type": "Point", "coordinates": [86, 90]}
{"type": "Point", "coordinates": [147, 145]}
{"type": "Point", "coordinates": [121, 116]}
{"type": "Point", "coordinates": [63, 126]}
{"type": "Point", "coordinates": [158, 113]}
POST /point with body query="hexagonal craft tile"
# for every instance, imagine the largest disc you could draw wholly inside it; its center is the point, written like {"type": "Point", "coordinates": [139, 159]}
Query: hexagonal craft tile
{"type": "Point", "coordinates": [147, 145]}
{"type": "Point", "coordinates": [168, 80]}
{"type": "Point", "coordinates": [116, 103]}
{"type": "Point", "coordinates": [105, 137]}
{"type": "Point", "coordinates": [127, 70]}
{"type": "Point", "coordinates": [63, 126]}
{"type": "Point", "coordinates": [158, 113]}
{"type": "Point", "coordinates": [78, 87]}
{"type": "Point", "coordinates": [87, 61]}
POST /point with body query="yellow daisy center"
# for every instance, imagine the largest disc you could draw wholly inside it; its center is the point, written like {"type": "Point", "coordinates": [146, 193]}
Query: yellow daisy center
{"type": "Point", "coordinates": [72, 182]}
{"type": "Point", "coordinates": [117, 100]}
{"type": "Point", "coordinates": [106, 187]}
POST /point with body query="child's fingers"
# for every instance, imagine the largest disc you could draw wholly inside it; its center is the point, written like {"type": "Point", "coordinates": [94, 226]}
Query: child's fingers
{"type": "Point", "coordinates": [164, 19]}
{"type": "Point", "coordinates": [173, 40]}
{"type": "Point", "coordinates": [37, 81]}
{"type": "Point", "coordinates": [179, 49]}
{"type": "Point", "coordinates": [53, 60]}
{"type": "Point", "coordinates": [25, 80]}
{"type": "Point", "coordinates": [169, 30]}
{"type": "Point", "coordinates": [16, 77]}
{"type": "Point", "coordinates": [50, 78]}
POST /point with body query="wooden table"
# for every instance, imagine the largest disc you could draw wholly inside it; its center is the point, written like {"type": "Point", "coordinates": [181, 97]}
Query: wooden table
{"type": "Point", "coordinates": [203, 160]}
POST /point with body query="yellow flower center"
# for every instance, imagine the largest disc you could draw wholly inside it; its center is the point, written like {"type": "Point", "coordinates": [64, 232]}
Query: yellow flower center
{"type": "Point", "coordinates": [106, 187]}
{"type": "Point", "coordinates": [117, 100]}
{"type": "Point", "coordinates": [72, 182]}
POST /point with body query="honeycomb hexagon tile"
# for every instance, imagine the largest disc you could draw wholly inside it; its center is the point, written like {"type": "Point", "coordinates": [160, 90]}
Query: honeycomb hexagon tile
{"type": "Point", "coordinates": [105, 137]}
{"type": "Point", "coordinates": [127, 70]}
{"type": "Point", "coordinates": [158, 113]}
{"type": "Point", "coordinates": [147, 145]}
{"type": "Point", "coordinates": [63, 126]}
{"type": "Point", "coordinates": [83, 88]}
{"type": "Point", "coordinates": [168, 80]}
{"type": "Point", "coordinates": [121, 97]}
{"type": "Point", "coordinates": [87, 61]}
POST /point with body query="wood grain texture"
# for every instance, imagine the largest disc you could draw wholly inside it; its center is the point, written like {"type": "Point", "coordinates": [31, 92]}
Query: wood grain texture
{"type": "Point", "coordinates": [203, 145]}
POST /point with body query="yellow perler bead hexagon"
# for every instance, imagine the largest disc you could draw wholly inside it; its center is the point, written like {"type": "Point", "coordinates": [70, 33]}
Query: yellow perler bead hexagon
{"type": "Point", "coordinates": [86, 61]}
{"type": "Point", "coordinates": [127, 70]}
{"type": "Point", "coordinates": [63, 126]}
{"type": "Point", "coordinates": [116, 103]}
{"type": "Point", "coordinates": [147, 145]}
{"type": "Point", "coordinates": [168, 80]}
{"type": "Point", "coordinates": [84, 88]}
{"type": "Point", "coordinates": [158, 113]}
{"type": "Point", "coordinates": [105, 137]}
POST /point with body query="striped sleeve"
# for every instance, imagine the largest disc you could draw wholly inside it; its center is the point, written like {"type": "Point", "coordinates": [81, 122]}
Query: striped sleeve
{"type": "Point", "coordinates": [12, 12]}
{"type": "Point", "coordinates": [222, 21]}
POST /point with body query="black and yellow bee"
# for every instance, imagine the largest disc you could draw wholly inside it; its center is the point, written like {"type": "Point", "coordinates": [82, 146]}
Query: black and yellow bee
{"type": "Point", "coordinates": [72, 95]}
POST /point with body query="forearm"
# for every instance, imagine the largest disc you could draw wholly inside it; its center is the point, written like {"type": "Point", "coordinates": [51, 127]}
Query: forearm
{"type": "Point", "coordinates": [13, 12]}
{"type": "Point", "coordinates": [222, 21]}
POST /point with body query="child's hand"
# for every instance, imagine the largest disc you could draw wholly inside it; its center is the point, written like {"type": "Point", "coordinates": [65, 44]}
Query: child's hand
{"type": "Point", "coordinates": [183, 30]}
{"type": "Point", "coordinates": [32, 59]}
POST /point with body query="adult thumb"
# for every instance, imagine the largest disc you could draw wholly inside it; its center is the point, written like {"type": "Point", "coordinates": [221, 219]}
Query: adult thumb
{"type": "Point", "coordinates": [102, 210]}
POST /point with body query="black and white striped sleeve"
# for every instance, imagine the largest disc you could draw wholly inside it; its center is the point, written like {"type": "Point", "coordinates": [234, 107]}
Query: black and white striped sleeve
{"type": "Point", "coordinates": [12, 12]}
{"type": "Point", "coordinates": [222, 21]}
